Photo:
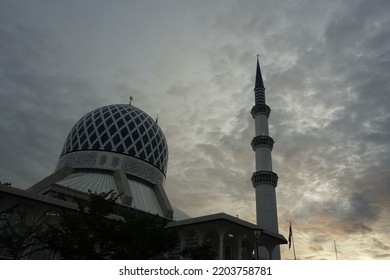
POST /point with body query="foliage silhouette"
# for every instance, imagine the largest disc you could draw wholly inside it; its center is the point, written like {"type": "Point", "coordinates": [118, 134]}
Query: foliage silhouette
{"type": "Point", "coordinates": [94, 232]}
{"type": "Point", "coordinates": [18, 238]}
{"type": "Point", "coordinates": [200, 252]}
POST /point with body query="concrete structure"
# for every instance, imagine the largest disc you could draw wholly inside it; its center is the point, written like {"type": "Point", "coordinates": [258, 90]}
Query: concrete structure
{"type": "Point", "coordinates": [230, 237]}
{"type": "Point", "coordinates": [116, 147]}
{"type": "Point", "coordinates": [264, 180]}
{"type": "Point", "coordinates": [122, 149]}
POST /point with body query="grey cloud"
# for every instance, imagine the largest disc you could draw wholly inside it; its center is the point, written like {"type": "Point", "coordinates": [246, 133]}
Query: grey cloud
{"type": "Point", "coordinates": [325, 67]}
{"type": "Point", "coordinates": [36, 104]}
{"type": "Point", "coordinates": [361, 207]}
{"type": "Point", "coordinates": [316, 248]}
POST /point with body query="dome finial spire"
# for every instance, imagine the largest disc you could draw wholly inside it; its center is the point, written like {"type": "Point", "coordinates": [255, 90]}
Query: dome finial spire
{"type": "Point", "coordinates": [131, 99]}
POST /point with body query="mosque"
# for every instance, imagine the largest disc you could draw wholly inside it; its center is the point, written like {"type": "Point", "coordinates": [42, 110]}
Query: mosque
{"type": "Point", "coordinates": [120, 148]}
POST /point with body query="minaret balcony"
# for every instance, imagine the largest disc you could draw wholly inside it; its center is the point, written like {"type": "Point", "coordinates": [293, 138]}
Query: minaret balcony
{"type": "Point", "coordinates": [264, 177]}
{"type": "Point", "coordinates": [260, 109]}
{"type": "Point", "coordinates": [262, 141]}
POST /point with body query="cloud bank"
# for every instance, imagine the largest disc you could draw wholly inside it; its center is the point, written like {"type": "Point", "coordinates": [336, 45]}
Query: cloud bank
{"type": "Point", "coordinates": [325, 66]}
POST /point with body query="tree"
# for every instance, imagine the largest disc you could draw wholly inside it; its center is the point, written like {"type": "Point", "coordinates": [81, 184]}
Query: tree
{"type": "Point", "coordinates": [94, 232]}
{"type": "Point", "coordinates": [18, 238]}
{"type": "Point", "coordinates": [200, 252]}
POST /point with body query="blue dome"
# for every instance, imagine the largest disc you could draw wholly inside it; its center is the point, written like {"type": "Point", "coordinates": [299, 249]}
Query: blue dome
{"type": "Point", "coordinates": [122, 129]}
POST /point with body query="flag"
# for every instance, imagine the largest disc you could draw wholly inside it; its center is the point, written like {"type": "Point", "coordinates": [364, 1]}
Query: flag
{"type": "Point", "coordinates": [289, 237]}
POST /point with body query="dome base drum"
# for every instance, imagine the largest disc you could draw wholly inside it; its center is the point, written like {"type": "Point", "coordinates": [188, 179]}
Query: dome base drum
{"type": "Point", "coordinates": [113, 161]}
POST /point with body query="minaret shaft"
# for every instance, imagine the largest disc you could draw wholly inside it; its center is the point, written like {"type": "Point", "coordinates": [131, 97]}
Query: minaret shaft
{"type": "Point", "coordinates": [261, 125]}
{"type": "Point", "coordinates": [264, 180]}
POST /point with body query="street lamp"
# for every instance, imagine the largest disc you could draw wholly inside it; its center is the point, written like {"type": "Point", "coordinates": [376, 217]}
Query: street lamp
{"type": "Point", "coordinates": [257, 233]}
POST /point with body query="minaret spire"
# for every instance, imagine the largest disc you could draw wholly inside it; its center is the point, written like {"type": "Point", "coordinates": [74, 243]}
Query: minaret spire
{"type": "Point", "coordinates": [259, 85]}
{"type": "Point", "coordinates": [259, 78]}
{"type": "Point", "coordinates": [264, 180]}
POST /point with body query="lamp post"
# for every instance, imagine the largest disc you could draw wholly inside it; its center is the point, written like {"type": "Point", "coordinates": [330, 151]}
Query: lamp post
{"type": "Point", "coordinates": [257, 233]}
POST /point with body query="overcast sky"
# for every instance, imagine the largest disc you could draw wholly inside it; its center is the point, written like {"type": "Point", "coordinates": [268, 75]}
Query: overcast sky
{"type": "Point", "coordinates": [325, 66]}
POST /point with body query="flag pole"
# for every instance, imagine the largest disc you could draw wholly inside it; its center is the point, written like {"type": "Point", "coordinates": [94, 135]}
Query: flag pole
{"type": "Point", "coordinates": [291, 241]}
{"type": "Point", "coordinates": [295, 256]}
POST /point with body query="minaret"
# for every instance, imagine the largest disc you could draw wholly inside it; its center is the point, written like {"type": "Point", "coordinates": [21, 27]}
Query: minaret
{"type": "Point", "coordinates": [264, 180]}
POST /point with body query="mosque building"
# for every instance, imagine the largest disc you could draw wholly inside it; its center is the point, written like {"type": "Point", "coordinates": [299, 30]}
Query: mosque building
{"type": "Point", "coordinates": [120, 148]}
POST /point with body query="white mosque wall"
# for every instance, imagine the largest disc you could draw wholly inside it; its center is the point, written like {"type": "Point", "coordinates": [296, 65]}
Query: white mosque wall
{"type": "Point", "coordinates": [261, 125]}
{"type": "Point", "coordinates": [266, 207]}
{"type": "Point", "coordinates": [263, 159]}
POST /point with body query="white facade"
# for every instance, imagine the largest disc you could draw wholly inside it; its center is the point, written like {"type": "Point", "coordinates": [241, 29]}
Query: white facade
{"type": "Point", "coordinates": [264, 180]}
{"type": "Point", "coordinates": [120, 148]}
{"type": "Point", "coordinates": [116, 148]}
{"type": "Point", "coordinates": [230, 237]}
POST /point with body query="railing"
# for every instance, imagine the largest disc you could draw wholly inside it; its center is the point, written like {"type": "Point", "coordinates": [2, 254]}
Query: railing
{"type": "Point", "coordinates": [264, 177]}
{"type": "Point", "coordinates": [262, 141]}
{"type": "Point", "coordinates": [260, 109]}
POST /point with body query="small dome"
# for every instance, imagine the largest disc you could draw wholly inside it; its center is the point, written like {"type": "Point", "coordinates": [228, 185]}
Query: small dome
{"type": "Point", "coordinates": [122, 129]}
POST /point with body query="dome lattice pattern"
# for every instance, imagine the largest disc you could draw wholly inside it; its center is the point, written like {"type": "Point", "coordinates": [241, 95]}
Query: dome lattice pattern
{"type": "Point", "coordinates": [123, 129]}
